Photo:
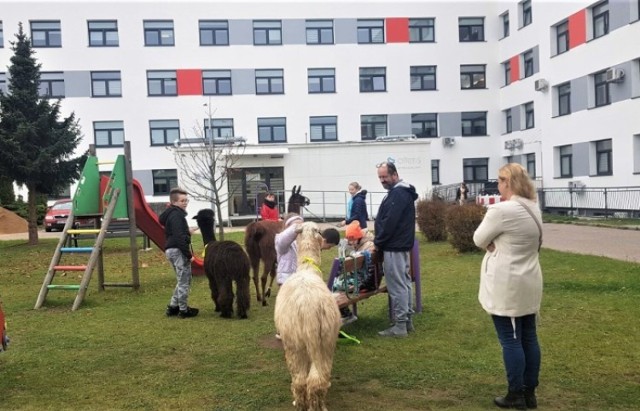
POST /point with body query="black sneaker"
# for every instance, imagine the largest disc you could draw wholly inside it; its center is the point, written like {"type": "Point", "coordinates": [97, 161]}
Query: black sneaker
{"type": "Point", "coordinates": [188, 313]}
{"type": "Point", "coordinates": [172, 311]}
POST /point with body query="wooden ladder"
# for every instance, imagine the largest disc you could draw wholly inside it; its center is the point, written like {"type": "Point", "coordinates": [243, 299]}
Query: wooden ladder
{"type": "Point", "coordinates": [94, 258]}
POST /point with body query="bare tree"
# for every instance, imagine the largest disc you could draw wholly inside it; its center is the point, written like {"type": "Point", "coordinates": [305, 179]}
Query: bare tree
{"type": "Point", "coordinates": [205, 164]}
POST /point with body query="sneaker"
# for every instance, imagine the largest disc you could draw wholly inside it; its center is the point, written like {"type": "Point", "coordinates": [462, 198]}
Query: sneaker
{"type": "Point", "coordinates": [399, 330]}
{"type": "Point", "coordinates": [172, 310]}
{"type": "Point", "coordinates": [349, 319]}
{"type": "Point", "coordinates": [188, 313]}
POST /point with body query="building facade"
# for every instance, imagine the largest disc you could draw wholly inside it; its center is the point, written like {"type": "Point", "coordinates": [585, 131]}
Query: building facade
{"type": "Point", "coordinates": [553, 85]}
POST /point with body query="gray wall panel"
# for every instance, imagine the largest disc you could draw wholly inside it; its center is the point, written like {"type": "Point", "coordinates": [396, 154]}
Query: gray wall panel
{"type": "Point", "coordinates": [536, 59]}
{"type": "Point", "coordinates": [145, 178]}
{"type": "Point", "coordinates": [622, 90]}
{"type": "Point", "coordinates": [619, 14]}
{"type": "Point", "coordinates": [399, 124]}
{"type": "Point", "coordinates": [240, 32]}
{"type": "Point", "coordinates": [294, 32]}
{"type": "Point", "coordinates": [345, 31]}
{"type": "Point", "coordinates": [243, 81]}
{"type": "Point", "coordinates": [450, 125]}
{"type": "Point", "coordinates": [579, 94]}
{"type": "Point", "coordinates": [580, 159]}
{"type": "Point", "coordinates": [516, 117]}
{"type": "Point", "coordinates": [77, 83]}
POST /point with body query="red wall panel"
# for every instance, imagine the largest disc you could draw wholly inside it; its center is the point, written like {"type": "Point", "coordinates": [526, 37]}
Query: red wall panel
{"type": "Point", "coordinates": [189, 82]}
{"type": "Point", "coordinates": [515, 68]}
{"type": "Point", "coordinates": [577, 28]}
{"type": "Point", "coordinates": [397, 30]}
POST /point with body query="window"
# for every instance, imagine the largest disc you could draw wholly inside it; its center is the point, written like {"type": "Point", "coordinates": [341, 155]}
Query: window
{"type": "Point", "coordinates": [272, 130]}
{"type": "Point", "coordinates": [421, 30]}
{"type": "Point", "coordinates": [527, 58]}
{"type": "Point", "coordinates": [370, 31]}
{"type": "Point", "coordinates": [474, 123]}
{"type": "Point", "coordinates": [508, 120]}
{"type": "Point", "coordinates": [423, 78]}
{"type": "Point", "coordinates": [603, 157]}
{"type": "Point", "coordinates": [106, 84]}
{"type": "Point", "coordinates": [372, 127]}
{"type": "Point", "coordinates": [471, 29]}
{"type": "Point", "coordinates": [435, 171]}
{"type": "Point", "coordinates": [1, 36]}
{"type": "Point", "coordinates": [600, 14]}
{"type": "Point", "coordinates": [472, 76]}
{"type": "Point", "coordinates": [324, 128]}
{"type": "Point", "coordinates": [424, 125]}
{"type": "Point", "coordinates": [162, 83]}
{"type": "Point", "coordinates": [475, 169]}
{"type": "Point", "coordinates": [3, 83]}
{"type": "Point", "coordinates": [51, 85]}
{"type": "Point", "coordinates": [164, 181]}
{"type": "Point", "coordinates": [108, 133]}
{"type": "Point", "coordinates": [321, 80]}
{"type": "Point", "coordinates": [267, 33]}
{"type": "Point", "coordinates": [373, 79]}
{"type": "Point", "coordinates": [46, 34]}
{"type": "Point", "coordinates": [565, 161]}
{"type": "Point", "coordinates": [216, 82]}
{"type": "Point", "coordinates": [222, 127]}
{"type": "Point", "coordinates": [507, 72]}
{"type": "Point", "coordinates": [505, 25]}
{"type": "Point", "coordinates": [601, 89]}
{"type": "Point", "coordinates": [269, 82]}
{"type": "Point", "coordinates": [562, 37]}
{"type": "Point", "coordinates": [319, 31]}
{"type": "Point", "coordinates": [529, 118]}
{"type": "Point", "coordinates": [214, 32]}
{"type": "Point", "coordinates": [164, 132]}
{"type": "Point", "coordinates": [103, 33]}
{"type": "Point", "coordinates": [527, 16]}
{"type": "Point", "coordinates": [531, 165]}
{"type": "Point", "coordinates": [564, 99]}
{"type": "Point", "coordinates": [158, 33]}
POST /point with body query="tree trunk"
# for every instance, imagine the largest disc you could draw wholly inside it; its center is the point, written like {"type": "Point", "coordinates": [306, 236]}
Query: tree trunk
{"type": "Point", "coordinates": [220, 223]}
{"type": "Point", "coordinates": [33, 215]}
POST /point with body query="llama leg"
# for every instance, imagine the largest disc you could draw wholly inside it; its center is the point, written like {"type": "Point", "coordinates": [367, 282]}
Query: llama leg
{"type": "Point", "coordinates": [298, 364]}
{"type": "Point", "coordinates": [243, 295]}
{"type": "Point", "coordinates": [225, 298]}
{"type": "Point", "coordinates": [256, 274]}
{"type": "Point", "coordinates": [272, 274]}
{"type": "Point", "coordinates": [263, 280]}
{"type": "Point", "coordinates": [213, 286]}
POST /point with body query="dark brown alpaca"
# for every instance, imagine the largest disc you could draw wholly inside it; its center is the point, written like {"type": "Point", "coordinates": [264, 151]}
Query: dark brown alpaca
{"type": "Point", "coordinates": [259, 241]}
{"type": "Point", "coordinates": [224, 263]}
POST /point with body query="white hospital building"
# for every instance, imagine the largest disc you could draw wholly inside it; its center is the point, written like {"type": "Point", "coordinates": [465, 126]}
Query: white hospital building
{"type": "Point", "coordinates": [311, 85]}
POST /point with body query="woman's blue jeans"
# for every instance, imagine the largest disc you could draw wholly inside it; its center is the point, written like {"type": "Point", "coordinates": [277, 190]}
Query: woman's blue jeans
{"type": "Point", "coordinates": [520, 350]}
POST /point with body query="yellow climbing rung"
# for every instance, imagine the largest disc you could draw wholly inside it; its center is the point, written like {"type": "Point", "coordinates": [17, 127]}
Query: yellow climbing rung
{"type": "Point", "coordinates": [84, 231]}
{"type": "Point", "coordinates": [105, 162]}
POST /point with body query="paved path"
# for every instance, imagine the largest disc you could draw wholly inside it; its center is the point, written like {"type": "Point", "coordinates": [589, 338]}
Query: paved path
{"type": "Point", "coordinates": [609, 242]}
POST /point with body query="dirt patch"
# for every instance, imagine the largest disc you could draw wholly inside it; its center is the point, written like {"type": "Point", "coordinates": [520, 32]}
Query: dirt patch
{"type": "Point", "coordinates": [270, 341]}
{"type": "Point", "coordinates": [11, 223]}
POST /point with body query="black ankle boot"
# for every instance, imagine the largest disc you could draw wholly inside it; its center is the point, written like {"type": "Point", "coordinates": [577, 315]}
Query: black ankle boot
{"type": "Point", "coordinates": [530, 398]}
{"type": "Point", "coordinates": [511, 400]}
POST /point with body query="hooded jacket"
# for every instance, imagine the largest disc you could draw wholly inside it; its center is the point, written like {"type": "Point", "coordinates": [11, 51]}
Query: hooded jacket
{"type": "Point", "coordinates": [395, 225]}
{"type": "Point", "coordinates": [358, 211]}
{"type": "Point", "coordinates": [176, 230]}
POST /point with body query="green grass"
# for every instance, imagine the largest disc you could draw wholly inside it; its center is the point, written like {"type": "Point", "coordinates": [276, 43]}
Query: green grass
{"type": "Point", "coordinates": [119, 351]}
{"type": "Point", "coordinates": [628, 223]}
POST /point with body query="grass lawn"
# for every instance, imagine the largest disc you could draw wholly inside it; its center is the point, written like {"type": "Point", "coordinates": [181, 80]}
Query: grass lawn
{"type": "Point", "coordinates": [628, 223]}
{"type": "Point", "coordinates": [119, 351]}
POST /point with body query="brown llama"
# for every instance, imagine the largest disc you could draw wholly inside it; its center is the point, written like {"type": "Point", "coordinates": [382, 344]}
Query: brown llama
{"type": "Point", "coordinates": [224, 263]}
{"type": "Point", "coordinates": [307, 317]}
{"type": "Point", "coordinates": [259, 241]}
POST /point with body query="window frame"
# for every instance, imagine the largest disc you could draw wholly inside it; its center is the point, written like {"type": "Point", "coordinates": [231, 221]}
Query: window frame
{"type": "Point", "coordinates": [321, 31]}
{"type": "Point", "coordinates": [435, 172]}
{"type": "Point", "coordinates": [608, 157]}
{"type": "Point", "coordinates": [599, 12]}
{"type": "Point", "coordinates": [508, 118]}
{"type": "Point", "coordinates": [323, 80]}
{"type": "Point", "coordinates": [163, 83]}
{"type": "Point", "coordinates": [271, 78]}
{"type": "Point", "coordinates": [422, 30]}
{"type": "Point", "coordinates": [277, 123]}
{"type": "Point", "coordinates": [165, 129]}
{"type": "Point", "coordinates": [528, 60]}
{"type": "Point", "coordinates": [324, 123]}
{"type": "Point", "coordinates": [217, 78]}
{"type": "Point", "coordinates": [110, 130]}
{"type": "Point", "coordinates": [220, 127]}
{"type": "Point", "coordinates": [601, 85]}
{"type": "Point", "coordinates": [428, 125]}
{"type": "Point", "coordinates": [1, 35]}
{"type": "Point", "coordinates": [562, 37]}
{"type": "Point", "coordinates": [3, 83]}
{"type": "Point", "coordinates": [470, 32]}
{"type": "Point", "coordinates": [107, 81]}
{"type": "Point", "coordinates": [423, 77]}
{"type": "Point", "coordinates": [476, 118]}
{"type": "Point", "coordinates": [506, 66]}
{"type": "Point", "coordinates": [564, 95]}
{"type": "Point", "coordinates": [103, 32]}
{"type": "Point", "coordinates": [166, 180]}
{"type": "Point", "coordinates": [529, 116]}
{"type": "Point", "coordinates": [214, 32]}
{"type": "Point", "coordinates": [371, 76]}
{"type": "Point", "coordinates": [49, 32]}
{"type": "Point", "coordinates": [374, 121]}
{"type": "Point", "coordinates": [155, 27]}
{"type": "Point", "coordinates": [566, 155]}
{"type": "Point", "coordinates": [506, 25]}
{"type": "Point", "coordinates": [472, 72]}
{"type": "Point", "coordinates": [56, 78]}
{"type": "Point", "coordinates": [267, 28]}
{"type": "Point", "coordinates": [527, 13]}
{"type": "Point", "coordinates": [366, 28]}
{"type": "Point", "coordinates": [530, 159]}
{"type": "Point", "coordinates": [475, 169]}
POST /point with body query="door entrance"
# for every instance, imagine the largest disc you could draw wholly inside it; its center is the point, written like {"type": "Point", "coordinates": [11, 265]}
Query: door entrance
{"type": "Point", "coordinates": [248, 185]}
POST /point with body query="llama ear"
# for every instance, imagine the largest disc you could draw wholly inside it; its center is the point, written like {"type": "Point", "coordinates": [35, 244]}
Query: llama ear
{"type": "Point", "coordinates": [294, 190]}
{"type": "Point", "coordinates": [299, 188]}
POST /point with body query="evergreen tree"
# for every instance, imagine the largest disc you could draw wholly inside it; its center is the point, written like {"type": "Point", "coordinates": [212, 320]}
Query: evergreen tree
{"type": "Point", "coordinates": [7, 196]}
{"type": "Point", "coordinates": [36, 146]}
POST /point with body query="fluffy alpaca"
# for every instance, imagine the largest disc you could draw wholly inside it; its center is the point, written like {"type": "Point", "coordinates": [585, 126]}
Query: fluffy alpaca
{"type": "Point", "coordinates": [224, 262]}
{"type": "Point", "coordinates": [308, 320]}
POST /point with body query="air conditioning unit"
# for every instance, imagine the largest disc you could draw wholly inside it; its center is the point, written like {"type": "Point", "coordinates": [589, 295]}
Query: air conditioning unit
{"type": "Point", "coordinates": [576, 184]}
{"type": "Point", "coordinates": [508, 145]}
{"type": "Point", "coordinates": [541, 84]}
{"type": "Point", "coordinates": [448, 141]}
{"type": "Point", "coordinates": [614, 75]}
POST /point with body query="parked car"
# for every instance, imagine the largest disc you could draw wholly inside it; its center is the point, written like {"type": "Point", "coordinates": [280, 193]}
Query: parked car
{"type": "Point", "coordinates": [57, 214]}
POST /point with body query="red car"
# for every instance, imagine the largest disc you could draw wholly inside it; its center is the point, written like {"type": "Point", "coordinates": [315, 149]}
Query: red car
{"type": "Point", "coordinates": [57, 214]}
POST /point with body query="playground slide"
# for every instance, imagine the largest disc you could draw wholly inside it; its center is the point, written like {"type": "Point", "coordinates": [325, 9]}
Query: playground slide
{"type": "Point", "coordinates": [147, 222]}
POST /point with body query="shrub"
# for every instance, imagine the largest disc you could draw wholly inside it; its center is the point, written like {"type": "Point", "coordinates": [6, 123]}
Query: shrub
{"type": "Point", "coordinates": [431, 219]}
{"type": "Point", "coordinates": [7, 196]}
{"type": "Point", "coordinates": [462, 222]}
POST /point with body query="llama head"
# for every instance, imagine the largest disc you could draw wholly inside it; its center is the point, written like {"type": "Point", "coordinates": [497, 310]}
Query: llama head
{"type": "Point", "coordinates": [206, 220]}
{"type": "Point", "coordinates": [309, 242]}
{"type": "Point", "coordinates": [297, 201]}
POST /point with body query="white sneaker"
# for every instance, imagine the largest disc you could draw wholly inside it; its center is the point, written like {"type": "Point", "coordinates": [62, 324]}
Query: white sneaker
{"type": "Point", "coordinates": [349, 319]}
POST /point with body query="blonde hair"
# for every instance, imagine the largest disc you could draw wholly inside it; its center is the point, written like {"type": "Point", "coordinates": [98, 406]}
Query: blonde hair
{"type": "Point", "coordinates": [355, 185]}
{"type": "Point", "coordinates": [520, 183]}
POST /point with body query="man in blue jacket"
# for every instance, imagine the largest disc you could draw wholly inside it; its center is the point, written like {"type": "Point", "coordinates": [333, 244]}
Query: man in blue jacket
{"type": "Point", "coordinates": [395, 229]}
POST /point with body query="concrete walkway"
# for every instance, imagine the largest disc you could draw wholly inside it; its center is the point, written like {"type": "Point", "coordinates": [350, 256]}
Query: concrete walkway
{"type": "Point", "coordinates": [581, 239]}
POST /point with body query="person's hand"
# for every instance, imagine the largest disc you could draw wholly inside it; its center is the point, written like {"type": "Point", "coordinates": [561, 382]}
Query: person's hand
{"type": "Point", "coordinates": [491, 247]}
{"type": "Point", "coordinates": [193, 229]}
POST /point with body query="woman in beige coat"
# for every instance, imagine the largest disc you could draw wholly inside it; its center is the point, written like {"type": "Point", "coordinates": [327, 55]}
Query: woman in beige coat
{"type": "Point", "coordinates": [511, 281]}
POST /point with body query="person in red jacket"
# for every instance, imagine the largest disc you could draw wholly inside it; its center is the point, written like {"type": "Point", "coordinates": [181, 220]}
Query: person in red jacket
{"type": "Point", "coordinates": [269, 208]}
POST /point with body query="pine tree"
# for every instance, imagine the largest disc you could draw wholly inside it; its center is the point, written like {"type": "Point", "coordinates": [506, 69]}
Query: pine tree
{"type": "Point", "coordinates": [36, 146]}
